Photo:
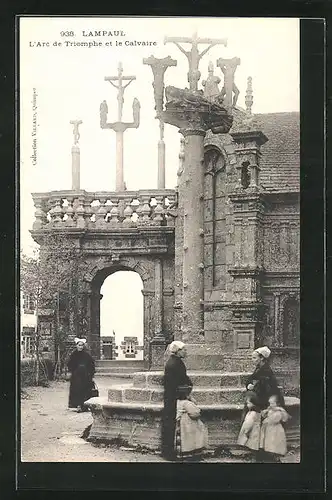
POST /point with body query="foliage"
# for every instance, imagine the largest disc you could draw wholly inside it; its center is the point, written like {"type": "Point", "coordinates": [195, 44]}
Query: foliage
{"type": "Point", "coordinates": [50, 277]}
{"type": "Point", "coordinates": [28, 371]}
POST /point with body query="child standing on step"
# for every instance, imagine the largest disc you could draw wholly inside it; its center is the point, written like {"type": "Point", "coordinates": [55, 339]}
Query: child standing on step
{"type": "Point", "coordinates": [273, 437]}
{"type": "Point", "coordinates": [249, 435]}
{"type": "Point", "coordinates": [191, 437]}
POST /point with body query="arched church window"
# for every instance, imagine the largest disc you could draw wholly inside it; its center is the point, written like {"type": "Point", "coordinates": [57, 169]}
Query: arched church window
{"type": "Point", "coordinates": [245, 175]}
{"type": "Point", "coordinates": [291, 323]}
{"type": "Point", "coordinates": [215, 215]}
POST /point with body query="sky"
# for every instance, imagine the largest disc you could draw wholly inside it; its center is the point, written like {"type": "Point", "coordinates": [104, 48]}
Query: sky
{"type": "Point", "coordinates": [69, 84]}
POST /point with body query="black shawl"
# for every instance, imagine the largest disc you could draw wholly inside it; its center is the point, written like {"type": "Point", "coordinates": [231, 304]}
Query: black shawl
{"type": "Point", "coordinates": [265, 385]}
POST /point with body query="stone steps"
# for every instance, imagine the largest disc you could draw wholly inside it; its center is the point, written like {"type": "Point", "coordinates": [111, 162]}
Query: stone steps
{"type": "Point", "coordinates": [138, 364]}
{"type": "Point", "coordinates": [112, 374]}
{"type": "Point", "coordinates": [102, 402]}
{"type": "Point", "coordinates": [202, 395]}
{"type": "Point", "coordinates": [118, 368]}
{"type": "Point", "coordinates": [211, 379]}
{"type": "Point", "coordinates": [140, 423]}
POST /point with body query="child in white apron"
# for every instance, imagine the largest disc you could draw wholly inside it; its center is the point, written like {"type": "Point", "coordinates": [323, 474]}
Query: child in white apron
{"type": "Point", "coordinates": [191, 436]}
{"type": "Point", "coordinates": [273, 436]}
{"type": "Point", "coordinates": [249, 435]}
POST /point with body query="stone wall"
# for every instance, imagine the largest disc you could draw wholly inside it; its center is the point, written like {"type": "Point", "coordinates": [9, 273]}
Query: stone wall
{"type": "Point", "coordinates": [272, 244]}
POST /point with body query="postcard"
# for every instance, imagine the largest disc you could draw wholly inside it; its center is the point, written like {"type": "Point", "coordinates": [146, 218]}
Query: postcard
{"type": "Point", "coordinates": [160, 239]}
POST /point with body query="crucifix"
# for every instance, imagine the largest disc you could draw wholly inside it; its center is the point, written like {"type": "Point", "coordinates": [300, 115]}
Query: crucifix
{"type": "Point", "coordinates": [120, 88]}
{"type": "Point", "coordinates": [76, 132]}
{"type": "Point", "coordinates": [75, 155]}
{"type": "Point", "coordinates": [119, 127]}
{"type": "Point", "coordinates": [159, 67]}
{"type": "Point", "coordinates": [228, 67]}
{"type": "Point", "coordinates": [193, 55]}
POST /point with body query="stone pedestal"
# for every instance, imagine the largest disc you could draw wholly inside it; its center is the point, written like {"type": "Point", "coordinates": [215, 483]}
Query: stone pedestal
{"type": "Point", "coordinates": [134, 413]}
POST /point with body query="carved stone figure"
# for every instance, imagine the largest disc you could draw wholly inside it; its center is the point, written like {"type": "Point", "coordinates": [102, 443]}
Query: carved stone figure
{"type": "Point", "coordinates": [211, 84]}
{"type": "Point", "coordinates": [228, 67]}
{"type": "Point", "coordinates": [159, 67]}
{"type": "Point", "coordinates": [76, 132]}
{"type": "Point", "coordinates": [103, 113]}
{"type": "Point", "coordinates": [193, 55]}
{"type": "Point", "coordinates": [136, 111]}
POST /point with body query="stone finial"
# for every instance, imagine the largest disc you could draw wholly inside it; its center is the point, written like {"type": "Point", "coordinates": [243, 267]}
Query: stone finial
{"type": "Point", "coordinates": [249, 96]}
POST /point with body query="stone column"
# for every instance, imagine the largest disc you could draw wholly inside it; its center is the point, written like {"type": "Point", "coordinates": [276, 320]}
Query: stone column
{"type": "Point", "coordinates": [161, 164]}
{"type": "Point", "coordinates": [158, 342]}
{"type": "Point", "coordinates": [193, 115]}
{"type": "Point", "coordinates": [94, 333]}
{"type": "Point", "coordinates": [119, 181]}
{"type": "Point", "coordinates": [75, 154]}
{"type": "Point", "coordinates": [192, 190]}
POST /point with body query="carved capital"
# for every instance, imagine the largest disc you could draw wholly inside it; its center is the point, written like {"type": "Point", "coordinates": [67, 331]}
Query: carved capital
{"type": "Point", "coordinates": [192, 112]}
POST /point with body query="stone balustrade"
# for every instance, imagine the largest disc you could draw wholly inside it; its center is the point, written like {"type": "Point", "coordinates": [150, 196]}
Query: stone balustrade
{"type": "Point", "coordinates": [104, 210]}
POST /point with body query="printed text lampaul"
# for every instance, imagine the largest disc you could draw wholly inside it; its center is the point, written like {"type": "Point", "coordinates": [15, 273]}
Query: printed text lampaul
{"type": "Point", "coordinates": [103, 33]}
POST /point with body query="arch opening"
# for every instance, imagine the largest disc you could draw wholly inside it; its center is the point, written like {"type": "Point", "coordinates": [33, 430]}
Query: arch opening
{"type": "Point", "coordinates": [122, 316]}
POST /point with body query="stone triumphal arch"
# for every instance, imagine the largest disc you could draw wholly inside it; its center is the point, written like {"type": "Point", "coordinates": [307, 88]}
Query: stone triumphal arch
{"type": "Point", "coordinates": [105, 233]}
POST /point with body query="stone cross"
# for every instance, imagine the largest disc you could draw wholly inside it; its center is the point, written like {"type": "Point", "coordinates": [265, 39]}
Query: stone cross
{"type": "Point", "coordinates": [76, 132]}
{"type": "Point", "coordinates": [193, 55]}
{"type": "Point", "coordinates": [159, 66]}
{"type": "Point", "coordinates": [75, 156]}
{"type": "Point", "coordinates": [119, 127]}
{"type": "Point", "coordinates": [228, 67]}
{"type": "Point", "coordinates": [120, 79]}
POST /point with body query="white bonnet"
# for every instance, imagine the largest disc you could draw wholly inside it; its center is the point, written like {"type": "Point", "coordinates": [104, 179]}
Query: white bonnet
{"type": "Point", "coordinates": [264, 351]}
{"type": "Point", "coordinates": [78, 340]}
{"type": "Point", "coordinates": [175, 346]}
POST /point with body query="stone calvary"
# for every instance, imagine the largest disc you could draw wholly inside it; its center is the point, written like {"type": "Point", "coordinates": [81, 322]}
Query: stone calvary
{"type": "Point", "coordinates": [218, 255]}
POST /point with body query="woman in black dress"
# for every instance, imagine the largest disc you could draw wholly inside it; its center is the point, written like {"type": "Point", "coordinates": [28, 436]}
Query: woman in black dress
{"type": "Point", "coordinates": [175, 375]}
{"type": "Point", "coordinates": [82, 368]}
{"type": "Point", "coordinates": [263, 384]}
{"type": "Point", "coordinates": [263, 381]}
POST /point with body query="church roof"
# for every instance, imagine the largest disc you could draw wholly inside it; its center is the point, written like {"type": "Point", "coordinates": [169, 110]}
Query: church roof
{"type": "Point", "coordinates": [280, 161]}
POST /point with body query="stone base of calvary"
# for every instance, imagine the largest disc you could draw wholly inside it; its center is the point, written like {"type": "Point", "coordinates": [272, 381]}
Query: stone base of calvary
{"type": "Point", "coordinates": [206, 252]}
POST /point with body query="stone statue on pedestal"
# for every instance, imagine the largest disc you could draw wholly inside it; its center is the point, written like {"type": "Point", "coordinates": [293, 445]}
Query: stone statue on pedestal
{"type": "Point", "coordinates": [103, 113]}
{"type": "Point", "coordinates": [211, 84]}
{"type": "Point", "coordinates": [136, 111]}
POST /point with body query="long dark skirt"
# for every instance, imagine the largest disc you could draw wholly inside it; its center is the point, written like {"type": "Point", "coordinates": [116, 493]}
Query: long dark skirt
{"type": "Point", "coordinates": [168, 429]}
{"type": "Point", "coordinates": [80, 387]}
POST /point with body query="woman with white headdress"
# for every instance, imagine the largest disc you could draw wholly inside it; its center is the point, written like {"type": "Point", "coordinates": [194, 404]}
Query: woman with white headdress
{"type": "Point", "coordinates": [261, 386]}
{"type": "Point", "coordinates": [82, 368]}
{"type": "Point", "coordinates": [175, 375]}
{"type": "Point", "coordinates": [263, 381]}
